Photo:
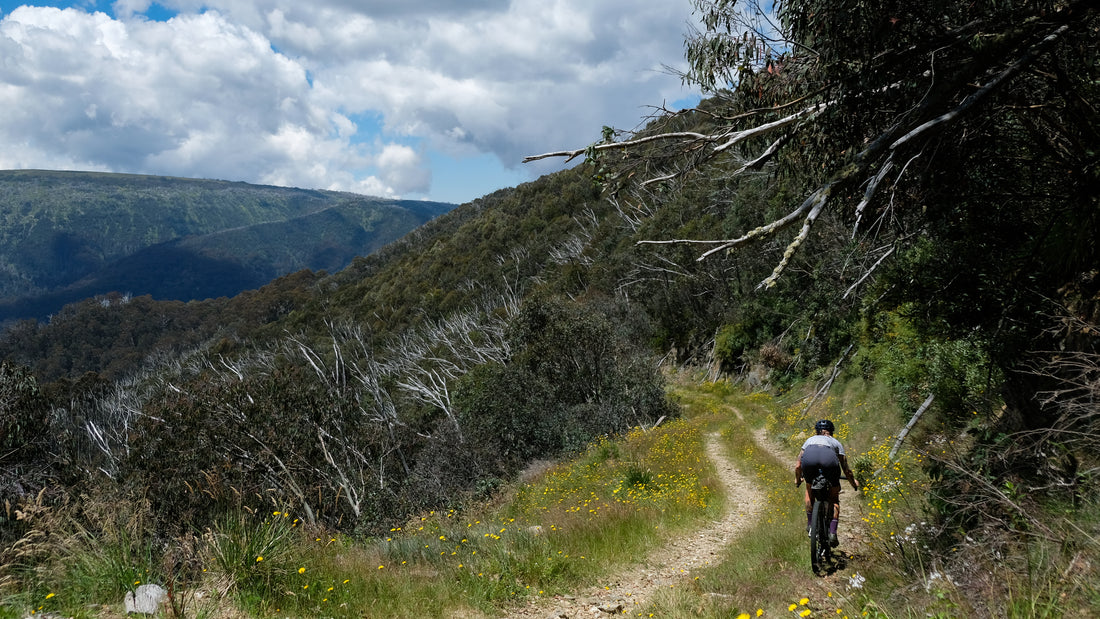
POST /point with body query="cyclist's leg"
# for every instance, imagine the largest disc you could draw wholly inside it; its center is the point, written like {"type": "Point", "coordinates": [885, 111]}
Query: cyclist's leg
{"type": "Point", "coordinates": [834, 500]}
{"type": "Point", "coordinates": [834, 521]}
{"type": "Point", "coordinates": [809, 504]}
{"type": "Point", "coordinates": [807, 479]}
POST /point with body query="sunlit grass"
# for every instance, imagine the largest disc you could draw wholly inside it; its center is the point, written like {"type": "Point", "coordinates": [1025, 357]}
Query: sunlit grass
{"type": "Point", "coordinates": [608, 508]}
{"type": "Point", "coordinates": [766, 572]}
{"type": "Point", "coordinates": [580, 519]}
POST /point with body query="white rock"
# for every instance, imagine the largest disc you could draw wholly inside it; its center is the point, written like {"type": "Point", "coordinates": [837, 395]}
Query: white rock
{"type": "Point", "coordinates": [146, 600]}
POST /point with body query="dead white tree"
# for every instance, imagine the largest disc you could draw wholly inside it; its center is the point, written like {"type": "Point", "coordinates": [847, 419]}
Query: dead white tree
{"type": "Point", "coordinates": [352, 374]}
{"type": "Point", "coordinates": [426, 361]}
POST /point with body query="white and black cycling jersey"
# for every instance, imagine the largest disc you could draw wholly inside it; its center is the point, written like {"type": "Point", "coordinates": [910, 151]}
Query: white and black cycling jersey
{"type": "Point", "coordinates": [826, 441]}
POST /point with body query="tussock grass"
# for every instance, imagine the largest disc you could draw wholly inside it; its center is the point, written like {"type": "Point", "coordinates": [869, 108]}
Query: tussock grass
{"type": "Point", "coordinates": [574, 522]}
{"type": "Point", "coordinates": [559, 531]}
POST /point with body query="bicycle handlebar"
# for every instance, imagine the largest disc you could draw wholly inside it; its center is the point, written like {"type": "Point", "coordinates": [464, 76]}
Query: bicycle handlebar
{"type": "Point", "coordinates": [798, 484]}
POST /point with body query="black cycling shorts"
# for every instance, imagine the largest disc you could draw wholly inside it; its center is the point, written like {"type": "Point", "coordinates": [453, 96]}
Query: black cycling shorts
{"type": "Point", "coordinates": [817, 458]}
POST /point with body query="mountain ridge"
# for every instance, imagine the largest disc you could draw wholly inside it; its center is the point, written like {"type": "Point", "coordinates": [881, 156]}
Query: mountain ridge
{"type": "Point", "coordinates": [70, 235]}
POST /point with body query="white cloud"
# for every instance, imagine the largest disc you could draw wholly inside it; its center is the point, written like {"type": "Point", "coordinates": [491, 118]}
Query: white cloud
{"type": "Point", "coordinates": [268, 90]}
{"type": "Point", "coordinates": [403, 169]}
{"type": "Point", "coordinates": [128, 8]}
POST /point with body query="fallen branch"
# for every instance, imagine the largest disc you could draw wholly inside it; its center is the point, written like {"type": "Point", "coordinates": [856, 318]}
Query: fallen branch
{"type": "Point", "coordinates": [829, 383]}
{"type": "Point", "coordinates": [909, 426]}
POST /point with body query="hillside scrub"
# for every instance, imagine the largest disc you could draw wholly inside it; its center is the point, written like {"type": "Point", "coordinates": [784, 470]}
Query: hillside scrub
{"type": "Point", "coordinates": [573, 522]}
{"type": "Point", "coordinates": [346, 435]}
{"type": "Point", "coordinates": [545, 536]}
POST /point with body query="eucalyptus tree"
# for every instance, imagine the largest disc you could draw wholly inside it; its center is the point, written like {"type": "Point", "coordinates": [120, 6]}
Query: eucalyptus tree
{"type": "Point", "coordinates": [871, 103]}
{"type": "Point", "coordinates": [955, 143]}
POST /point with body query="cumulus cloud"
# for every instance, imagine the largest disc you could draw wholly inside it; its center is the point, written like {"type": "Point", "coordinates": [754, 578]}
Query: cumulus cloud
{"type": "Point", "coordinates": [403, 169]}
{"type": "Point", "coordinates": [271, 90]}
{"type": "Point", "coordinates": [198, 96]}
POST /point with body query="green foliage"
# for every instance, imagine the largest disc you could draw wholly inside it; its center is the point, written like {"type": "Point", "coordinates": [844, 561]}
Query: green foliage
{"type": "Point", "coordinates": [958, 372]}
{"type": "Point", "coordinates": [571, 378]}
{"type": "Point", "coordinates": [22, 411]}
{"type": "Point", "coordinates": [637, 477]}
{"type": "Point", "coordinates": [66, 236]}
{"type": "Point", "coordinates": [731, 342]}
{"type": "Point", "coordinates": [257, 552]}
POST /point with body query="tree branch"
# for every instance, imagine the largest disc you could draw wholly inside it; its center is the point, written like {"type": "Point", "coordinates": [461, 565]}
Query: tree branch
{"type": "Point", "coordinates": [731, 138]}
{"type": "Point", "coordinates": [740, 136]}
{"type": "Point", "coordinates": [867, 273]}
{"type": "Point", "coordinates": [1014, 68]}
{"type": "Point", "coordinates": [570, 154]}
{"type": "Point", "coordinates": [818, 201]}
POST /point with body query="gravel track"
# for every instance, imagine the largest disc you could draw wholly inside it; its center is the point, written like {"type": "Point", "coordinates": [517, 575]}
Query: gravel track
{"type": "Point", "coordinates": [670, 565]}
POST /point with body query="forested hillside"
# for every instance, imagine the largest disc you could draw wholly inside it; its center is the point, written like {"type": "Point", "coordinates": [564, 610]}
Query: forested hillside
{"type": "Point", "coordinates": [67, 236]}
{"type": "Point", "coordinates": [907, 197]}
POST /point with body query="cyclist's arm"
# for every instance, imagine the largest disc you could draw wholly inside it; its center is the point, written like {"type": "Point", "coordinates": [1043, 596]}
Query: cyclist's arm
{"type": "Point", "coordinates": [848, 472]}
{"type": "Point", "coordinates": [798, 469]}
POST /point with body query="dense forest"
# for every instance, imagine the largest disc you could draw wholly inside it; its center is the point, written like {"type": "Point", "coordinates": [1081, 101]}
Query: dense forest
{"type": "Point", "coordinates": [67, 236]}
{"type": "Point", "coordinates": [909, 194]}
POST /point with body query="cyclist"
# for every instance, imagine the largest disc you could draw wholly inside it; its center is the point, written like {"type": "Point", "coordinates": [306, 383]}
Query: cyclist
{"type": "Point", "coordinates": [823, 453]}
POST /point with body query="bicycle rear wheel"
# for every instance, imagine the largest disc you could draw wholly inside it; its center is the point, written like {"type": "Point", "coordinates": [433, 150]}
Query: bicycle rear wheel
{"type": "Point", "coordinates": [818, 537]}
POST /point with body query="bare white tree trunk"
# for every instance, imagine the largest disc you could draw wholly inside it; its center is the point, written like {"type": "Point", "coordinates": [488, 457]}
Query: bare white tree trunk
{"type": "Point", "coordinates": [909, 426]}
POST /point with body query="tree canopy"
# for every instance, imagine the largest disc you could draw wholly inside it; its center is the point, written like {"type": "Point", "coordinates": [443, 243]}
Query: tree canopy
{"type": "Point", "coordinates": [936, 160]}
{"type": "Point", "coordinates": [876, 105]}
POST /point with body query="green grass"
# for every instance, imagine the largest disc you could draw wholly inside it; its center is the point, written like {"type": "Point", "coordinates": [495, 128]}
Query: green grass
{"type": "Point", "coordinates": [256, 554]}
{"type": "Point", "coordinates": [579, 520]}
{"type": "Point", "coordinates": [767, 568]}
{"type": "Point", "coordinates": [605, 509]}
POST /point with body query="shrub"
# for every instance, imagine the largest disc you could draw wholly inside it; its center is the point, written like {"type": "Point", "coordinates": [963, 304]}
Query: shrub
{"type": "Point", "coordinates": [570, 380]}
{"type": "Point", "coordinates": [256, 553]}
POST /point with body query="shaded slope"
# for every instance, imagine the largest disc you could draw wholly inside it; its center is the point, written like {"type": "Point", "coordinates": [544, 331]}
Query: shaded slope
{"type": "Point", "coordinates": [65, 236]}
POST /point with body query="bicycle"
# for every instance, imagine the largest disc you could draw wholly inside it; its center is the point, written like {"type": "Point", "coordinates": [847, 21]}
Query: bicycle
{"type": "Point", "coordinates": [821, 552]}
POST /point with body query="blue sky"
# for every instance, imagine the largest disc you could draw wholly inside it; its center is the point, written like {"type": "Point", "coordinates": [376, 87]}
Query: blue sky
{"type": "Point", "coordinates": [421, 99]}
